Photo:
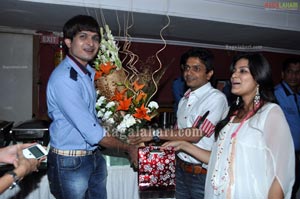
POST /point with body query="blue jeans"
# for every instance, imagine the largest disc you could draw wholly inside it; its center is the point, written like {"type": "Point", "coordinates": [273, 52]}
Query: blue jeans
{"type": "Point", "coordinates": [77, 177]}
{"type": "Point", "coordinates": [189, 186]}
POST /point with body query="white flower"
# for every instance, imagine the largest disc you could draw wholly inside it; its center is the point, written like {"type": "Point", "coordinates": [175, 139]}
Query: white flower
{"type": "Point", "coordinates": [121, 128]}
{"type": "Point", "coordinates": [110, 121]}
{"type": "Point", "coordinates": [129, 120]}
{"type": "Point", "coordinates": [103, 47]}
{"type": "Point", "coordinates": [101, 100]}
{"type": "Point", "coordinates": [100, 114]}
{"type": "Point", "coordinates": [98, 104]}
{"type": "Point", "coordinates": [107, 115]}
{"type": "Point", "coordinates": [148, 111]}
{"type": "Point", "coordinates": [110, 104]}
{"type": "Point", "coordinates": [108, 51]}
{"type": "Point", "coordinates": [110, 42]}
{"type": "Point", "coordinates": [103, 58]}
{"type": "Point", "coordinates": [153, 105]}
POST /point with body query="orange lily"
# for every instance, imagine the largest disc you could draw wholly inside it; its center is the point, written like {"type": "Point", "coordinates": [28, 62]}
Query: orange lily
{"type": "Point", "coordinates": [124, 104]}
{"type": "Point", "coordinates": [106, 68]}
{"type": "Point", "coordinates": [141, 96]}
{"type": "Point", "coordinates": [98, 74]}
{"type": "Point", "coordinates": [137, 86]}
{"type": "Point", "coordinates": [119, 95]}
{"type": "Point", "coordinates": [141, 113]}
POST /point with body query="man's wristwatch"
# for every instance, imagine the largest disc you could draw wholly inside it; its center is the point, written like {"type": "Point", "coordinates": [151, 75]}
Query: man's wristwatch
{"type": "Point", "coordinates": [155, 134]}
{"type": "Point", "coordinates": [15, 177]}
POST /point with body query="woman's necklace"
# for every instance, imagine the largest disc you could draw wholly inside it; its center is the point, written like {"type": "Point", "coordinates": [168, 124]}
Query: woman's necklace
{"type": "Point", "coordinates": [218, 180]}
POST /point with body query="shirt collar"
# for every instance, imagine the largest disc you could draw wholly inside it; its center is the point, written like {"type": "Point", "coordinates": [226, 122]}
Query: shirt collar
{"type": "Point", "coordinates": [199, 91]}
{"type": "Point", "coordinates": [82, 68]}
{"type": "Point", "coordinates": [288, 91]}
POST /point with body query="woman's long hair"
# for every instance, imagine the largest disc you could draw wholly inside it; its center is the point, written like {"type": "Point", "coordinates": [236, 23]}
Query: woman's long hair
{"type": "Point", "coordinates": [262, 74]}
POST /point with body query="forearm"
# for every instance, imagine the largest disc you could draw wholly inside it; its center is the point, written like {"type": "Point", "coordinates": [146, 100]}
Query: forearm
{"type": "Point", "coordinates": [112, 142]}
{"type": "Point", "coordinates": [192, 135]}
{"type": "Point", "coordinates": [2, 154]}
{"type": "Point", "coordinates": [7, 180]}
{"type": "Point", "coordinates": [275, 191]}
{"type": "Point", "coordinates": [200, 154]}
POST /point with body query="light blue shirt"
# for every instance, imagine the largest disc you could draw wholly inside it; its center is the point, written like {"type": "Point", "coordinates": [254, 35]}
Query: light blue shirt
{"type": "Point", "coordinates": [179, 87]}
{"type": "Point", "coordinates": [287, 102]}
{"type": "Point", "coordinates": [71, 99]}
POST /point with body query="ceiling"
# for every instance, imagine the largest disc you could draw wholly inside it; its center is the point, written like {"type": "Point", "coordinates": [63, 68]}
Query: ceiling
{"type": "Point", "coordinates": [186, 29]}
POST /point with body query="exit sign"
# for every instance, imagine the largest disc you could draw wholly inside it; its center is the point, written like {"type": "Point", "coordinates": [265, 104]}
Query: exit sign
{"type": "Point", "coordinates": [49, 39]}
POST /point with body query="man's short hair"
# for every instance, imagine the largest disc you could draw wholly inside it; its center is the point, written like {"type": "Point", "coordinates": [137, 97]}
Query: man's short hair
{"type": "Point", "coordinates": [204, 55]}
{"type": "Point", "coordinates": [287, 62]}
{"type": "Point", "coordinates": [80, 23]}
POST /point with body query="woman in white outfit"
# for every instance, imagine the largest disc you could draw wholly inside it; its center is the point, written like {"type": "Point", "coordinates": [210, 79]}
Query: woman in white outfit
{"type": "Point", "coordinates": [253, 154]}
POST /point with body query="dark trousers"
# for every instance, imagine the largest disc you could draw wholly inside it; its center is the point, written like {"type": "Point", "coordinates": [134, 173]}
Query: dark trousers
{"type": "Point", "coordinates": [297, 175]}
{"type": "Point", "coordinates": [189, 186]}
{"type": "Point", "coordinates": [77, 177]}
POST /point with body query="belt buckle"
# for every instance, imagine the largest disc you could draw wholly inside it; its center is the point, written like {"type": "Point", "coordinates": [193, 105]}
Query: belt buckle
{"type": "Point", "coordinates": [184, 165]}
{"type": "Point", "coordinates": [200, 172]}
{"type": "Point", "coordinates": [194, 168]}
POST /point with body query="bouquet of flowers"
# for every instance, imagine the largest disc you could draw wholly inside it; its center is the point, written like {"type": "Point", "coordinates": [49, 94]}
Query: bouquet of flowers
{"type": "Point", "coordinates": [124, 94]}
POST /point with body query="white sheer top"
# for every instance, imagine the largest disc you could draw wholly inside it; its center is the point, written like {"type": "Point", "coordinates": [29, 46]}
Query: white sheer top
{"type": "Point", "coordinates": [263, 151]}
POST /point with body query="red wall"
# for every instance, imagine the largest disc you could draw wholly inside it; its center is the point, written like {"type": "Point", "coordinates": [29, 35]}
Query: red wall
{"type": "Point", "coordinates": [170, 57]}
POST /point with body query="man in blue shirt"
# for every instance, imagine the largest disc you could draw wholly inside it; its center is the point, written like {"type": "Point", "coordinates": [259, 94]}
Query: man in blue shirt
{"type": "Point", "coordinates": [178, 89]}
{"type": "Point", "coordinates": [288, 96]}
{"type": "Point", "coordinates": [179, 86]}
{"type": "Point", "coordinates": [76, 168]}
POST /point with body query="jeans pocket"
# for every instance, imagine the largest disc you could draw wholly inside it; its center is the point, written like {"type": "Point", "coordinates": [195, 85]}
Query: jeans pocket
{"type": "Point", "coordinates": [70, 162]}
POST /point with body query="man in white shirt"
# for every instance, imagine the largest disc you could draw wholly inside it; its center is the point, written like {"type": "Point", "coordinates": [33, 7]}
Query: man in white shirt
{"type": "Point", "coordinates": [200, 98]}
